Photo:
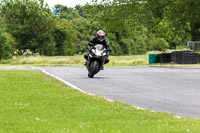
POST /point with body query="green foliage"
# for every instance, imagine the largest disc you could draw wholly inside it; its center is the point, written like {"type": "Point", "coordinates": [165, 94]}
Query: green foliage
{"type": "Point", "coordinates": [114, 45]}
{"type": "Point", "coordinates": [128, 46]}
{"type": "Point", "coordinates": [83, 25]}
{"type": "Point", "coordinates": [174, 21]}
{"type": "Point", "coordinates": [64, 12]}
{"type": "Point", "coordinates": [65, 37]}
{"type": "Point", "coordinates": [29, 22]}
{"type": "Point", "coordinates": [182, 15]}
{"type": "Point", "coordinates": [169, 24]}
{"type": "Point", "coordinates": [131, 27]}
{"type": "Point", "coordinates": [7, 44]}
{"type": "Point", "coordinates": [159, 44]}
{"type": "Point", "coordinates": [85, 29]}
{"type": "Point", "coordinates": [49, 46]}
{"type": "Point", "coordinates": [35, 27]}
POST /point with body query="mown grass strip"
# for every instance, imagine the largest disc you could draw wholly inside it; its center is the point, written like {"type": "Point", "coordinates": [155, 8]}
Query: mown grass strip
{"type": "Point", "coordinates": [33, 102]}
{"type": "Point", "coordinates": [77, 60]}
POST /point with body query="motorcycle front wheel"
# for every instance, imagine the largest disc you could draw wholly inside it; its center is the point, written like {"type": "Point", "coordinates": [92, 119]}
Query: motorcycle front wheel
{"type": "Point", "coordinates": [94, 67]}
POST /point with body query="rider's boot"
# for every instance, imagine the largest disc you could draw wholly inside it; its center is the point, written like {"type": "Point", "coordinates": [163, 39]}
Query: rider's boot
{"type": "Point", "coordinates": [102, 68]}
{"type": "Point", "coordinates": [85, 63]}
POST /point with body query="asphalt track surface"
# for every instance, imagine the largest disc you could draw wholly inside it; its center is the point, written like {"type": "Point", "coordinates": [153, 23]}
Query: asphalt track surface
{"type": "Point", "coordinates": [172, 90]}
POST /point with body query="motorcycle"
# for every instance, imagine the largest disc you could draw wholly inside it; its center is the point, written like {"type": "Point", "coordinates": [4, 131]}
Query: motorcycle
{"type": "Point", "coordinates": [96, 60]}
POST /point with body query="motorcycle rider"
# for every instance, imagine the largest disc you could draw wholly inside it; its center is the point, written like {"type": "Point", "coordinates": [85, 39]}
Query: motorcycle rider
{"type": "Point", "coordinates": [99, 39]}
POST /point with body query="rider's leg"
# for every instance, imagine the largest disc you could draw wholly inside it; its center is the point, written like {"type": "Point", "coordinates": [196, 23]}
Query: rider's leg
{"type": "Point", "coordinates": [106, 61]}
{"type": "Point", "coordinates": [86, 58]}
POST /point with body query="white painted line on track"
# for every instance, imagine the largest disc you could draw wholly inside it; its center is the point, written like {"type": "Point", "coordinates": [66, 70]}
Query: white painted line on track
{"type": "Point", "coordinates": [141, 108]}
{"type": "Point", "coordinates": [178, 117]}
{"type": "Point", "coordinates": [77, 88]}
{"type": "Point", "coordinates": [63, 81]}
{"type": "Point", "coordinates": [67, 83]}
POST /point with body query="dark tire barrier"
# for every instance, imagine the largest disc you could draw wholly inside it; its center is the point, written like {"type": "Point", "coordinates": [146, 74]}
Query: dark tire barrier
{"type": "Point", "coordinates": [164, 58]}
{"type": "Point", "coordinates": [178, 57]}
{"type": "Point", "coordinates": [185, 57]}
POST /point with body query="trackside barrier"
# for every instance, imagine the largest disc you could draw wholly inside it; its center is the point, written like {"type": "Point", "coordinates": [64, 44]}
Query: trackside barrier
{"type": "Point", "coordinates": [177, 57]}
{"type": "Point", "coordinates": [153, 58]}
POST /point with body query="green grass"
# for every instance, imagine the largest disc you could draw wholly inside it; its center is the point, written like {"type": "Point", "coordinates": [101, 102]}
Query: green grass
{"type": "Point", "coordinates": [43, 61]}
{"type": "Point", "coordinates": [77, 60]}
{"type": "Point", "coordinates": [33, 102]}
{"type": "Point", "coordinates": [133, 60]}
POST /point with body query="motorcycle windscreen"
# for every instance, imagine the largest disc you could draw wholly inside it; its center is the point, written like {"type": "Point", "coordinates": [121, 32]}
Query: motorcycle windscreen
{"type": "Point", "coordinates": [99, 47]}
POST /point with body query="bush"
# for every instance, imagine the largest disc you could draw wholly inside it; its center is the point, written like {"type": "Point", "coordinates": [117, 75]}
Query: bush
{"type": "Point", "coordinates": [31, 23]}
{"type": "Point", "coordinates": [132, 47]}
{"type": "Point", "coordinates": [6, 45]}
{"type": "Point", "coordinates": [159, 44]}
{"type": "Point", "coordinates": [49, 46]}
{"type": "Point", "coordinates": [64, 37]}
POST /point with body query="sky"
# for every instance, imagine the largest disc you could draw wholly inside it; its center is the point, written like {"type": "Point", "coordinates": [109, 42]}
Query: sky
{"type": "Point", "coordinates": [68, 3]}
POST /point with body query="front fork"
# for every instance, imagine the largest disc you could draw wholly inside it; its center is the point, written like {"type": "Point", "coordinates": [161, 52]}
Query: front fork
{"type": "Point", "coordinates": [88, 62]}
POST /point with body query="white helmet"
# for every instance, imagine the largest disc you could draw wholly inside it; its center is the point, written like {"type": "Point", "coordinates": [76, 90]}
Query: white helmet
{"type": "Point", "coordinates": [101, 35]}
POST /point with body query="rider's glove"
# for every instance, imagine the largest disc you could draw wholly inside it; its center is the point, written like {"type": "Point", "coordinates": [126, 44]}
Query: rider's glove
{"type": "Point", "coordinates": [90, 50]}
{"type": "Point", "coordinates": [108, 53]}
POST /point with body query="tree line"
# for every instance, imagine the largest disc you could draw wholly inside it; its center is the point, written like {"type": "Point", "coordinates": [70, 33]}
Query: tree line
{"type": "Point", "coordinates": [132, 27]}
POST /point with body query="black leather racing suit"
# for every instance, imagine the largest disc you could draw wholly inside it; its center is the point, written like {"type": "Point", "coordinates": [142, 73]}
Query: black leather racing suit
{"type": "Point", "coordinates": [92, 42]}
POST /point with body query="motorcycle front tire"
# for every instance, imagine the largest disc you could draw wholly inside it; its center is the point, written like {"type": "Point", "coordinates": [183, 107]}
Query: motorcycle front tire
{"type": "Point", "coordinates": [94, 67]}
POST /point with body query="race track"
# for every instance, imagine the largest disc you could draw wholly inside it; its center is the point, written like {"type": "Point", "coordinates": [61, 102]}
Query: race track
{"type": "Point", "coordinates": [173, 90]}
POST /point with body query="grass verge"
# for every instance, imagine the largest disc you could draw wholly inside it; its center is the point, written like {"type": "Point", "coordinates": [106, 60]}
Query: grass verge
{"type": "Point", "coordinates": [77, 60]}
{"type": "Point", "coordinates": [33, 102]}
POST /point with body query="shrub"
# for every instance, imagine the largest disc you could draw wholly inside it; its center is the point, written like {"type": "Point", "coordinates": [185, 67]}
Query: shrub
{"type": "Point", "coordinates": [6, 45]}
{"type": "Point", "coordinates": [64, 37]}
{"type": "Point", "coordinates": [132, 47]}
{"type": "Point", "coordinates": [159, 44]}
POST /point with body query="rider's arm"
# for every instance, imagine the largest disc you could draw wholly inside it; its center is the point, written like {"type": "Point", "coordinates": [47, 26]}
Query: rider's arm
{"type": "Point", "coordinates": [108, 48]}
{"type": "Point", "coordinates": [90, 44]}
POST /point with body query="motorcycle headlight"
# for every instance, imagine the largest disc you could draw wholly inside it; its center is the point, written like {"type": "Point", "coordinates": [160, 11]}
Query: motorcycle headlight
{"type": "Point", "coordinates": [98, 53]}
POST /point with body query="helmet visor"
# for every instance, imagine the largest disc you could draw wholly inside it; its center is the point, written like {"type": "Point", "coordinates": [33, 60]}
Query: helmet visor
{"type": "Point", "coordinates": [101, 37]}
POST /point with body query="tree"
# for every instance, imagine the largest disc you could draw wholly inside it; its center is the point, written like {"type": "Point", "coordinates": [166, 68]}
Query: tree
{"type": "Point", "coordinates": [117, 15]}
{"type": "Point", "coordinates": [173, 20]}
{"type": "Point", "coordinates": [182, 15]}
{"type": "Point", "coordinates": [35, 27]}
{"type": "Point", "coordinates": [57, 9]}
{"type": "Point", "coordinates": [65, 37]}
{"type": "Point", "coordinates": [83, 26]}
{"type": "Point", "coordinates": [7, 44]}
{"type": "Point", "coordinates": [30, 22]}
{"type": "Point", "coordinates": [65, 13]}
